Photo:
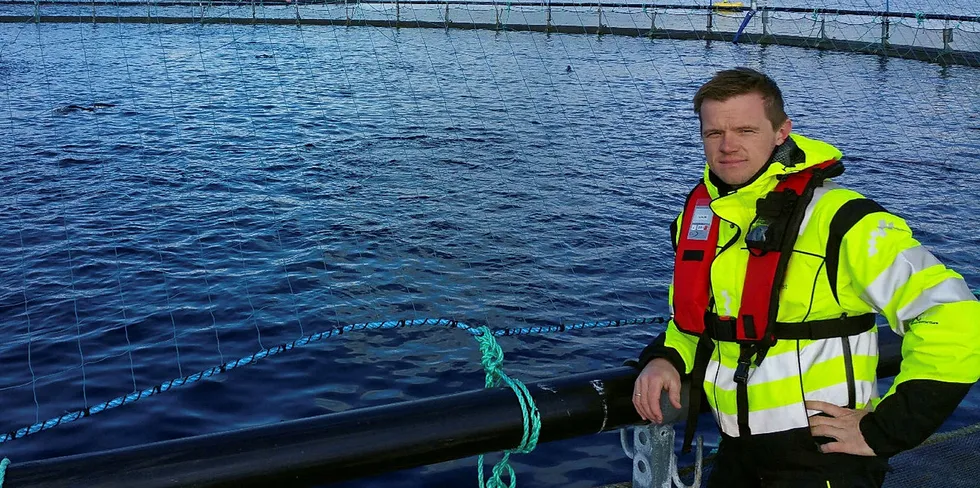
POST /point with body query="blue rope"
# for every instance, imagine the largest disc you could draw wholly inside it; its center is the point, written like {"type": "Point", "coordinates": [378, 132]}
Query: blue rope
{"type": "Point", "coordinates": [493, 358]}
{"type": "Point", "coordinates": [303, 341]}
{"type": "Point", "coordinates": [3, 469]}
{"type": "Point", "coordinates": [582, 326]}
{"type": "Point", "coordinates": [186, 380]}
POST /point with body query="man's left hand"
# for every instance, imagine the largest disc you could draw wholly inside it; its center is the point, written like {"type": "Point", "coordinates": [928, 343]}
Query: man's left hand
{"type": "Point", "coordinates": [843, 425]}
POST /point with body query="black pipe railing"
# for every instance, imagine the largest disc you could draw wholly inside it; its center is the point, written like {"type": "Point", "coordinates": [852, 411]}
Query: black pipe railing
{"type": "Point", "coordinates": [362, 442]}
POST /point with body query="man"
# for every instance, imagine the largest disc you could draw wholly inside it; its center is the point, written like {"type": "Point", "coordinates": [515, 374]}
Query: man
{"type": "Point", "coordinates": [778, 275]}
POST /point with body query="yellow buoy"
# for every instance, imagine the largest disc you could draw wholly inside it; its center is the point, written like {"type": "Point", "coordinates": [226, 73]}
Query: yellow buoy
{"type": "Point", "coordinates": [727, 6]}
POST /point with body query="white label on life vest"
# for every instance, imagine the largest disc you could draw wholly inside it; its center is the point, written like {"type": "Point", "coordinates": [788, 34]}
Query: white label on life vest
{"type": "Point", "coordinates": [700, 221]}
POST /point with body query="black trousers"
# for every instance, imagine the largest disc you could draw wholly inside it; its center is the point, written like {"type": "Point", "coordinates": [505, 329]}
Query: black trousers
{"type": "Point", "coordinates": [790, 459]}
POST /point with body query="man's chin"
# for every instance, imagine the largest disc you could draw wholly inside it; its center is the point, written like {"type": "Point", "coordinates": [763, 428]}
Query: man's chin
{"type": "Point", "coordinates": [734, 181]}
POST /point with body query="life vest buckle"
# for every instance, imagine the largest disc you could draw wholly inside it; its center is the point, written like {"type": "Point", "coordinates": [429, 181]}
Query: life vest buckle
{"type": "Point", "coordinates": [742, 371]}
{"type": "Point", "coordinates": [744, 363]}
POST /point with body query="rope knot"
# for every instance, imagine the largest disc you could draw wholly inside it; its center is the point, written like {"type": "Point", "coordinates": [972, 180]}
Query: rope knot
{"type": "Point", "coordinates": [493, 356]}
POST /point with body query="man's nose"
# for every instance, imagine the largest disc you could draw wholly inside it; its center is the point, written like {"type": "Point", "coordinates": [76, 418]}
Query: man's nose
{"type": "Point", "coordinates": [728, 143]}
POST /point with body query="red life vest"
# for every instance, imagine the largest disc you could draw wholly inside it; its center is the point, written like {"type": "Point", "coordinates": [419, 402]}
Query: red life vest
{"type": "Point", "coordinates": [770, 241]}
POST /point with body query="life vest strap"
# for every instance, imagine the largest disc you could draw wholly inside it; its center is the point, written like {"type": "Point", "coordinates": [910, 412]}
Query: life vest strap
{"type": "Point", "coordinates": [825, 329]}
{"type": "Point", "coordinates": [742, 384]}
{"type": "Point", "coordinates": [702, 355]}
{"type": "Point", "coordinates": [724, 328]}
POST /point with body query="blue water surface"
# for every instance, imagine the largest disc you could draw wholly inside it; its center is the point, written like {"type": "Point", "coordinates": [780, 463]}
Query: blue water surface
{"type": "Point", "coordinates": [173, 197]}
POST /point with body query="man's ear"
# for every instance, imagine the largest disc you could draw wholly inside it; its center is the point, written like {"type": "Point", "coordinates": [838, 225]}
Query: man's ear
{"type": "Point", "coordinates": [784, 131]}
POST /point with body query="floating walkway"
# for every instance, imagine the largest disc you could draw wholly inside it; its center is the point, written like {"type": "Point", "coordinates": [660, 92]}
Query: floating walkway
{"type": "Point", "coordinates": [932, 37]}
{"type": "Point", "coordinates": [945, 460]}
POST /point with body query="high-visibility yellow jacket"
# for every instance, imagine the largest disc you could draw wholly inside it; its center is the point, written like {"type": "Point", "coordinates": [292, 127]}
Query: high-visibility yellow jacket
{"type": "Point", "coordinates": [851, 257]}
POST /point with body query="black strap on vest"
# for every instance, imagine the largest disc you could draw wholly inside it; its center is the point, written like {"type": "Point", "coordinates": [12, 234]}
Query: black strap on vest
{"type": "Point", "coordinates": [702, 355]}
{"type": "Point", "coordinates": [724, 329]}
{"type": "Point", "coordinates": [746, 351]}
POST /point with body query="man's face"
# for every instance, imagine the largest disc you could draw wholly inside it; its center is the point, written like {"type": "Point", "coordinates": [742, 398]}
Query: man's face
{"type": "Point", "coordinates": [738, 137]}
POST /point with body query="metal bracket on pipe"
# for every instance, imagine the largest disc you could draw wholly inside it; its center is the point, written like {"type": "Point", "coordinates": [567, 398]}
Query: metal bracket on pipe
{"type": "Point", "coordinates": [654, 461]}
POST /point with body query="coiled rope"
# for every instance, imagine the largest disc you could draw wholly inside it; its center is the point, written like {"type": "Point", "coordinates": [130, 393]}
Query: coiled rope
{"type": "Point", "coordinates": [3, 469]}
{"type": "Point", "coordinates": [493, 359]}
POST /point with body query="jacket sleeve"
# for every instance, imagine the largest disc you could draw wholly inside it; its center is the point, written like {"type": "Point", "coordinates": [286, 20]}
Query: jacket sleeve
{"type": "Point", "coordinates": [936, 314]}
{"type": "Point", "coordinates": [672, 344]}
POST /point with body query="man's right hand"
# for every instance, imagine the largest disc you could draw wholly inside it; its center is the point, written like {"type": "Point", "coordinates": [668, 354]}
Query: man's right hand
{"type": "Point", "coordinates": [658, 375]}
